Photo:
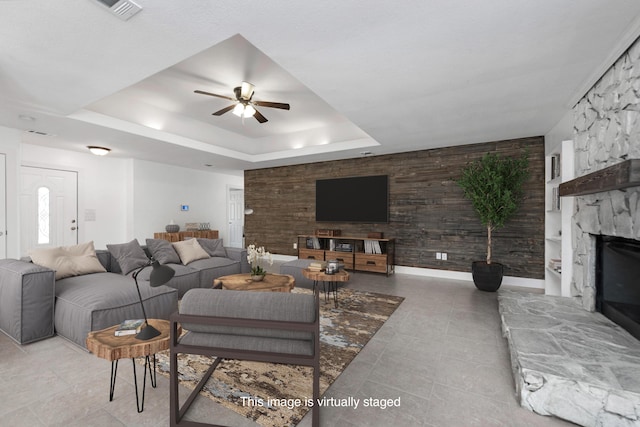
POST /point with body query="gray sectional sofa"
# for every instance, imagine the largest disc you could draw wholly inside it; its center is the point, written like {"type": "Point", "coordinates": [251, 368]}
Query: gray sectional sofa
{"type": "Point", "coordinates": [34, 305]}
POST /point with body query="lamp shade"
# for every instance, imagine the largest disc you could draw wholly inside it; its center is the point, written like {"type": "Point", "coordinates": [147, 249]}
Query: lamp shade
{"type": "Point", "coordinates": [160, 274]}
{"type": "Point", "coordinates": [249, 111]}
{"type": "Point", "coordinates": [238, 110]}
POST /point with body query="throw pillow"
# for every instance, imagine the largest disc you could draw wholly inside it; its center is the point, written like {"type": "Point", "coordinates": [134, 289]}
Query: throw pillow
{"type": "Point", "coordinates": [69, 261]}
{"type": "Point", "coordinates": [129, 255]}
{"type": "Point", "coordinates": [190, 250]}
{"type": "Point", "coordinates": [214, 247]}
{"type": "Point", "coordinates": [162, 251]}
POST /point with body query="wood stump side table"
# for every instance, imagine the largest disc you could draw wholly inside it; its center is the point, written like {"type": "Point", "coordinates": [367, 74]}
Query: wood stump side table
{"type": "Point", "coordinates": [272, 282]}
{"type": "Point", "coordinates": [330, 279]}
{"type": "Point", "coordinates": [105, 345]}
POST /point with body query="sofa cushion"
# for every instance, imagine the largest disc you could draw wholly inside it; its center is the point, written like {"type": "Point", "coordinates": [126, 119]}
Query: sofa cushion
{"type": "Point", "coordinates": [68, 261]}
{"type": "Point", "coordinates": [97, 301]}
{"type": "Point", "coordinates": [189, 251]}
{"type": "Point", "coordinates": [287, 307]}
{"type": "Point", "coordinates": [129, 255]}
{"type": "Point", "coordinates": [185, 277]}
{"type": "Point", "coordinates": [162, 251]}
{"type": "Point", "coordinates": [214, 267]}
{"type": "Point", "coordinates": [214, 247]}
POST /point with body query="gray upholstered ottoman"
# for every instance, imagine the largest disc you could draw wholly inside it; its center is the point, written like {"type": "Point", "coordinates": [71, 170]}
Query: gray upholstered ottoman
{"type": "Point", "coordinates": [295, 268]}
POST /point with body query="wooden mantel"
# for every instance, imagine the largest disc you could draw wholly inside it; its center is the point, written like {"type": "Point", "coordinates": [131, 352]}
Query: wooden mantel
{"type": "Point", "coordinates": [623, 175]}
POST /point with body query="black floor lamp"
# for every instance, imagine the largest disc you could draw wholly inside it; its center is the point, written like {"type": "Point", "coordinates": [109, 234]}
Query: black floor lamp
{"type": "Point", "coordinates": [160, 275]}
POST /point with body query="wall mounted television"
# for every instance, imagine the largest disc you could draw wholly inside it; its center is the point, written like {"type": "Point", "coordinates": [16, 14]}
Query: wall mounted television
{"type": "Point", "coordinates": [353, 199]}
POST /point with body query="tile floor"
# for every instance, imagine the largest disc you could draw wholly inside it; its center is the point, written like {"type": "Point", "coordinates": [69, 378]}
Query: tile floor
{"type": "Point", "coordinates": [441, 352]}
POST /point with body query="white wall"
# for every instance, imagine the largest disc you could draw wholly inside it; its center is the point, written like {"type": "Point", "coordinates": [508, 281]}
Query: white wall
{"type": "Point", "coordinates": [130, 198]}
{"type": "Point", "coordinates": [562, 131]}
{"type": "Point", "coordinates": [159, 190]}
{"type": "Point", "coordinates": [10, 147]}
{"type": "Point", "coordinates": [102, 187]}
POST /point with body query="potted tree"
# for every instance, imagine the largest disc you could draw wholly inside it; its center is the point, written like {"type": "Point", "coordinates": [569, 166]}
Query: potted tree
{"type": "Point", "coordinates": [494, 186]}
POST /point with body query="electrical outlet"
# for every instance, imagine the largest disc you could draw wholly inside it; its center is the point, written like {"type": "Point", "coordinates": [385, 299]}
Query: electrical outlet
{"type": "Point", "coordinates": [295, 246]}
{"type": "Point", "coordinates": [438, 255]}
{"type": "Point", "coordinates": [444, 256]}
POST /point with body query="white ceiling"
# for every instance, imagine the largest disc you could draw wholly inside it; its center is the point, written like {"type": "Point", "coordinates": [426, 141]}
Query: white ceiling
{"type": "Point", "coordinates": [379, 76]}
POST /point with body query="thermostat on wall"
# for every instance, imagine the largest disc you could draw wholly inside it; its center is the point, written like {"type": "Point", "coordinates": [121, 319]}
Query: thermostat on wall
{"type": "Point", "coordinates": [184, 208]}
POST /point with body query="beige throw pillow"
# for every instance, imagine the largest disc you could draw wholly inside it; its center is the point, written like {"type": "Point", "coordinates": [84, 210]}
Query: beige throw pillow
{"type": "Point", "coordinates": [69, 261]}
{"type": "Point", "coordinates": [189, 251]}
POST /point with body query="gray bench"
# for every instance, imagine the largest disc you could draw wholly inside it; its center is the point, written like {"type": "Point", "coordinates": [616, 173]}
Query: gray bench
{"type": "Point", "coordinates": [275, 327]}
{"type": "Point", "coordinates": [294, 268]}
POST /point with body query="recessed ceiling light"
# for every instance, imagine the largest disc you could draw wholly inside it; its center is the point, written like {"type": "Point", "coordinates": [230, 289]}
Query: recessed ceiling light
{"type": "Point", "coordinates": [98, 151]}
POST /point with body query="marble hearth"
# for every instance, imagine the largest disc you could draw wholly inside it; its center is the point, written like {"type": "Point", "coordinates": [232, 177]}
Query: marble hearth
{"type": "Point", "coordinates": [571, 363]}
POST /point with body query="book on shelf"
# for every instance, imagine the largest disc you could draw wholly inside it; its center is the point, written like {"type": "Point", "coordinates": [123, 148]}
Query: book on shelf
{"type": "Point", "coordinates": [555, 166]}
{"type": "Point", "coordinates": [372, 247]}
{"type": "Point", "coordinates": [129, 327]}
{"type": "Point", "coordinates": [555, 265]}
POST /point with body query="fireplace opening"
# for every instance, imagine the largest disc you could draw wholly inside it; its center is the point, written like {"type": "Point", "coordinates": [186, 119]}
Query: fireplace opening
{"type": "Point", "coordinates": [618, 281]}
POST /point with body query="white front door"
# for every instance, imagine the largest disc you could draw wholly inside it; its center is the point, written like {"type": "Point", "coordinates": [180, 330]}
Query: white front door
{"type": "Point", "coordinates": [236, 218]}
{"type": "Point", "coordinates": [48, 208]}
{"type": "Point", "coordinates": [3, 208]}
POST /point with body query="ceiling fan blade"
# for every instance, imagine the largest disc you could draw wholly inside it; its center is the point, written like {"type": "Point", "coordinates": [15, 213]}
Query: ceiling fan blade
{"type": "Point", "coordinates": [259, 117]}
{"type": "Point", "coordinates": [246, 91]}
{"type": "Point", "coordinates": [224, 110]}
{"type": "Point", "coordinates": [201, 92]}
{"type": "Point", "coordinates": [280, 105]}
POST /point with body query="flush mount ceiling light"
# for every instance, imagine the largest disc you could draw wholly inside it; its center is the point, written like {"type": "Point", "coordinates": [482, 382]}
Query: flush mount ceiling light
{"type": "Point", "coordinates": [98, 151]}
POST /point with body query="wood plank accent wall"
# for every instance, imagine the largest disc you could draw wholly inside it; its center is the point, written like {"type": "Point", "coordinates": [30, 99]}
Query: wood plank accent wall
{"type": "Point", "coordinates": [428, 212]}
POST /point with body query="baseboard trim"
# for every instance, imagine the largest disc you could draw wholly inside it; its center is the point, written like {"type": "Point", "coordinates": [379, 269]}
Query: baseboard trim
{"type": "Point", "coordinates": [521, 282]}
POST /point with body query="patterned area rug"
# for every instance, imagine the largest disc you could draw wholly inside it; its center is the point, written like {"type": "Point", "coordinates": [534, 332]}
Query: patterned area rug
{"type": "Point", "coordinates": [238, 385]}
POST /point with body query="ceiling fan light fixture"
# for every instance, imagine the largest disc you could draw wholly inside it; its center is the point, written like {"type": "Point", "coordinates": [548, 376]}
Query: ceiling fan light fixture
{"type": "Point", "coordinates": [249, 111]}
{"type": "Point", "coordinates": [98, 151]}
{"type": "Point", "coordinates": [238, 109]}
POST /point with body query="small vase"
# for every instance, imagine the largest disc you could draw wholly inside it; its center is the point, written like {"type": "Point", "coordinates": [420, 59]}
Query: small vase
{"type": "Point", "coordinates": [257, 277]}
{"type": "Point", "coordinates": [172, 228]}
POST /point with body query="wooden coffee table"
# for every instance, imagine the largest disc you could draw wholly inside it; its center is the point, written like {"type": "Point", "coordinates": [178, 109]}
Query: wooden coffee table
{"type": "Point", "coordinates": [105, 345]}
{"type": "Point", "coordinates": [330, 279]}
{"type": "Point", "coordinates": [242, 282]}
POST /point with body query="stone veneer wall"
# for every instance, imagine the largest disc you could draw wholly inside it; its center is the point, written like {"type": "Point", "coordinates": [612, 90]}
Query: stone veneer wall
{"type": "Point", "coordinates": [606, 132]}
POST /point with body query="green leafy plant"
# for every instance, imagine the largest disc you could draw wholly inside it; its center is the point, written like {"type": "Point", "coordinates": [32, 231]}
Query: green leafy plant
{"type": "Point", "coordinates": [494, 185]}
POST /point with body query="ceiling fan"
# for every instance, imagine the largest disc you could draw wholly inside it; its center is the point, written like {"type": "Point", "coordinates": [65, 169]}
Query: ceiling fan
{"type": "Point", "coordinates": [244, 106]}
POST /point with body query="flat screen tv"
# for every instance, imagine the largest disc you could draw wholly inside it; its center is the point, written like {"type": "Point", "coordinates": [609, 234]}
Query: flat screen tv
{"type": "Point", "coordinates": [354, 199]}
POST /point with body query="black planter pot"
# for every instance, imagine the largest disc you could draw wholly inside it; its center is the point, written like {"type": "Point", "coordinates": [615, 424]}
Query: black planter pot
{"type": "Point", "coordinates": [487, 277]}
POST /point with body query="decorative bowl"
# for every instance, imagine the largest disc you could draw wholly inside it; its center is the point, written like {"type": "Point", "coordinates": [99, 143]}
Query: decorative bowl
{"type": "Point", "coordinates": [172, 228]}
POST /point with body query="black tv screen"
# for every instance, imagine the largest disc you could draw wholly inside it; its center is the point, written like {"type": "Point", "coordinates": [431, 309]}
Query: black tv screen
{"type": "Point", "coordinates": [355, 199]}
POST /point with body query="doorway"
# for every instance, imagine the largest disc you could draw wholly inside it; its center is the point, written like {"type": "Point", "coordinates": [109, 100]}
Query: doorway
{"type": "Point", "coordinates": [48, 208]}
{"type": "Point", "coordinates": [236, 217]}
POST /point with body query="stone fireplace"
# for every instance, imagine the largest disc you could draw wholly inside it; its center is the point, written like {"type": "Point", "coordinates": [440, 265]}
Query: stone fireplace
{"type": "Point", "coordinates": [568, 359]}
{"type": "Point", "coordinates": [606, 133]}
{"type": "Point", "coordinates": [617, 281]}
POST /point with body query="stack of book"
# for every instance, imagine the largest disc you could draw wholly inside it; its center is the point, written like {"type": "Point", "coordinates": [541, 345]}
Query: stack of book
{"type": "Point", "coordinates": [317, 266]}
{"type": "Point", "coordinates": [129, 327]}
{"type": "Point", "coordinates": [555, 265]}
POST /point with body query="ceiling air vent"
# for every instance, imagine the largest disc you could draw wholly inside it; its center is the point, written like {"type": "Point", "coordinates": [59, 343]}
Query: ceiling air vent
{"type": "Point", "coordinates": [123, 9]}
